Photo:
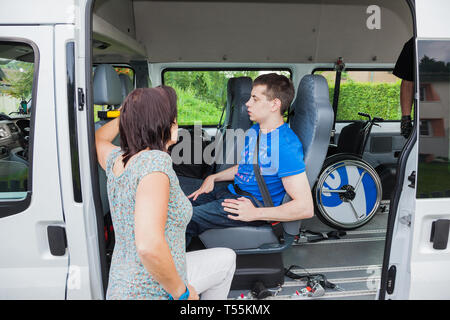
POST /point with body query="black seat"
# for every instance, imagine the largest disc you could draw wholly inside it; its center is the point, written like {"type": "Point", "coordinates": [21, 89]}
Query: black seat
{"type": "Point", "coordinates": [236, 117]}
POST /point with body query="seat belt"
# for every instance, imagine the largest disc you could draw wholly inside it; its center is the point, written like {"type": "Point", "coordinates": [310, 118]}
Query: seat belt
{"type": "Point", "coordinates": [277, 227]}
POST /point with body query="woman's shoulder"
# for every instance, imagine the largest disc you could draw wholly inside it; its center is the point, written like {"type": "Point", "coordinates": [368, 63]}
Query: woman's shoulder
{"type": "Point", "coordinates": [156, 155]}
{"type": "Point", "coordinates": [154, 160]}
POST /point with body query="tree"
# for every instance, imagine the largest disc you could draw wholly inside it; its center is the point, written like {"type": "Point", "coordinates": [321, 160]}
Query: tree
{"type": "Point", "coordinates": [19, 82]}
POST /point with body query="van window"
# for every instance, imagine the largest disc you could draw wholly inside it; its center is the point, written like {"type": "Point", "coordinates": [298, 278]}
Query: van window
{"type": "Point", "coordinates": [202, 95]}
{"type": "Point", "coordinates": [434, 117]}
{"type": "Point", "coordinates": [17, 68]}
{"type": "Point", "coordinates": [376, 92]}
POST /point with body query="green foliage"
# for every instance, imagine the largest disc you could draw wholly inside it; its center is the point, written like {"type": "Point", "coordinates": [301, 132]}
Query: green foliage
{"type": "Point", "coordinates": [192, 109]}
{"type": "Point", "coordinates": [202, 94]}
{"type": "Point", "coordinates": [19, 80]}
{"type": "Point", "coordinates": [377, 99]}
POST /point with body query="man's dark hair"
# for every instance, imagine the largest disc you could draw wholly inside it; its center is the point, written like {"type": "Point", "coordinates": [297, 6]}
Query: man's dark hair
{"type": "Point", "coordinates": [146, 118]}
{"type": "Point", "coordinates": [277, 86]}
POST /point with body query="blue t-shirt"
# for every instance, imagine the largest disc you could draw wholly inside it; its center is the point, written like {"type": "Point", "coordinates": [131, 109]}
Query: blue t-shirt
{"type": "Point", "coordinates": [280, 155]}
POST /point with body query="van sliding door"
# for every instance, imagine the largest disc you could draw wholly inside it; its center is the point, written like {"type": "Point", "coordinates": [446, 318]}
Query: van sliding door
{"type": "Point", "coordinates": [419, 261]}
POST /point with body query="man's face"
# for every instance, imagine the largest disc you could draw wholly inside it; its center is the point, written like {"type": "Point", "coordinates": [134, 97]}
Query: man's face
{"type": "Point", "coordinates": [259, 107]}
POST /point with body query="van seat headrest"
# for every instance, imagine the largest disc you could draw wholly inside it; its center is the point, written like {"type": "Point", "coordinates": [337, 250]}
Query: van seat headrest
{"type": "Point", "coordinates": [107, 86]}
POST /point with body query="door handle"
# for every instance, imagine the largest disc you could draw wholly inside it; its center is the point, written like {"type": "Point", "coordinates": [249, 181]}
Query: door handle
{"type": "Point", "coordinates": [57, 240]}
{"type": "Point", "coordinates": [439, 233]}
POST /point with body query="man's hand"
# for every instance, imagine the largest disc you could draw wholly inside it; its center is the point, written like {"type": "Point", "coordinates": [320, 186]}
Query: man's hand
{"type": "Point", "coordinates": [242, 209]}
{"type": "Point", "coordinates": [206, 187]}
{"type": "Point", "coordinates": [406, 126]}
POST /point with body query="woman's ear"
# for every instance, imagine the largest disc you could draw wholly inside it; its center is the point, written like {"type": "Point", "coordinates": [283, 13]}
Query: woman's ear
{"type": "Point", "coordinates": [173, 134]}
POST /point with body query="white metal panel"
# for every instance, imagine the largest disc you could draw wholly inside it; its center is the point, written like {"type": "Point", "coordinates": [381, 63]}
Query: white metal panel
{"type": "Point", "coordinates": [79, 278]}
{"type": "Point", "coordinates": [27, 268]}
{"type": "Point", "coordinates": [290, 32]}
{"type": "Point", "coordinates": [38, 12]}
{"type": "Point", "coordinates": [427, 262]}
{"type": "Point", "coordinates": [432, 19]}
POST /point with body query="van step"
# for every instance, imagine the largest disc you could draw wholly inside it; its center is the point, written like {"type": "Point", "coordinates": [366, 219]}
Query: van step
{"type": "Point", "coordinates": [350, 237]}
{"type": "Point", "coordinates": [351, 294]}
{"type": "Point", "coordinates": [354, 282]}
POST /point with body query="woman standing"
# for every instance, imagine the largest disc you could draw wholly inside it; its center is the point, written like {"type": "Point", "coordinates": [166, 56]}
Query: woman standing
{"type": "Point", "coordinates": [149, 210]}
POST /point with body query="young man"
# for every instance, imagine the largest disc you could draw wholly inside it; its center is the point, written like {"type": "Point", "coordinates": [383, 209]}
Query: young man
{"type": "Point", "coordinates": [280, 160]}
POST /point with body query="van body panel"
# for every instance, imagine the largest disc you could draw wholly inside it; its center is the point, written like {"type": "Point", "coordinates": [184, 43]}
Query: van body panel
{"type": "Point", "coordinates": [28, 270]}
{"type": "Point", "coordinates": [429, 267]}
{"type": "Point", "coordinates": [79, 275]}
{"type": "Point", "coordinates": [39, 12]}
{"type": "Point", "coordinates": [432, 19]}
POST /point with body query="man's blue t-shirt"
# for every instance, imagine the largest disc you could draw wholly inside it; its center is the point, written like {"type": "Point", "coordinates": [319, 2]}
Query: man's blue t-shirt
{"type": "Point", "coordinates": [280, 155]}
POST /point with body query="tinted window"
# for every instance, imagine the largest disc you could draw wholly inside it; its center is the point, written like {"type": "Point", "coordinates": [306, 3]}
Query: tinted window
{"type": "Point", "coordinates": [16, 87]}
{"type": "Point", "coordinates": [433, 177]}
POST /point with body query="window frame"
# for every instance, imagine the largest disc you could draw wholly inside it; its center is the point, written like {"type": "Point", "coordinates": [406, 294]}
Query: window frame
{"type": "Point", "coordinates": [355, 69]}
{"type": "Point", "coordinates": [14, 206]}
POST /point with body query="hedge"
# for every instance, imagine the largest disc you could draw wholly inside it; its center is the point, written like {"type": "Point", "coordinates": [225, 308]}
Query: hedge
{"type": "Point", "coordinates": [377, 99]}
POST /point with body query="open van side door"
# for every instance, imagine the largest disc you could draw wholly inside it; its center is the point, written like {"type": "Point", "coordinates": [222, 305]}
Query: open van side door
{"type": "Point", "coordinates": [417, 256]}
{"type": "Point", "coordinates": [33, 249]}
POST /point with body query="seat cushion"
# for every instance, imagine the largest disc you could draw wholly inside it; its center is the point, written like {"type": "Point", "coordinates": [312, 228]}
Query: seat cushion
{"type": "Point", "coordinates": [239, 237]}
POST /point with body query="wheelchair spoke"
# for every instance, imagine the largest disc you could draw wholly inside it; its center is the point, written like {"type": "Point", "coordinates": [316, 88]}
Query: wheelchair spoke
{"type": "Point", "coordinates": [359, 181]}
{"type": "Point", "coordinates": [355, 212]}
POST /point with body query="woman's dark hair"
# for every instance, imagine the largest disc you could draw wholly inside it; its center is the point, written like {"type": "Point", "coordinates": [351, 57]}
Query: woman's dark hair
{"type": "Point", "coordinates": [146, 118]}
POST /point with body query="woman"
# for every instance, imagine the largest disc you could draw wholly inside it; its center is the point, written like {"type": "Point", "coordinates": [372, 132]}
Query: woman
{"type": "Point", "coordinates": [149, 210]}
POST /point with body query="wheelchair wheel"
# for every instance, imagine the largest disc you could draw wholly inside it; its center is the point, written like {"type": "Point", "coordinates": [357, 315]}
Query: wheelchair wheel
{"type": "Point", "coordinates": [348, 192]}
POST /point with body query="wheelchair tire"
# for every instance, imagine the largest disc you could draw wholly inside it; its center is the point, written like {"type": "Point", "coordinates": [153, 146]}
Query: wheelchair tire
{"type": "Point", "coordinates": [348, 192]}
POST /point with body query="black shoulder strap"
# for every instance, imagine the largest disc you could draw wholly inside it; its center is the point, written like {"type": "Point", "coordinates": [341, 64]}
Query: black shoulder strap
{"type": "Point", "coordinates": [277, 227]}
{"type": "Point", "coordinates": [259, 178]}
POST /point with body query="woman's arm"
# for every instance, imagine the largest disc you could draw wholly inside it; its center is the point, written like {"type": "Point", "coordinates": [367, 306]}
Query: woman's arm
{"type": "Point", "coordinates": [103, 137]}
{"type": "Point", "coordinates": [152, 198]}
{"type": "Point", "coordinates": [208, 185]}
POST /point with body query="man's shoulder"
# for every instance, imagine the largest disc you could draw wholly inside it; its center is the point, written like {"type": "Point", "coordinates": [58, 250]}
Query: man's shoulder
{"type": "Point", "coordinates": [288, 137]}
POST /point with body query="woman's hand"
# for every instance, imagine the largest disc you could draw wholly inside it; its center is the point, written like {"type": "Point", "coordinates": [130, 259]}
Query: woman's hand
{"type": "Point", "coordinates": [206, 187]}
{"type": "Point", "coordinates": [193, 295]}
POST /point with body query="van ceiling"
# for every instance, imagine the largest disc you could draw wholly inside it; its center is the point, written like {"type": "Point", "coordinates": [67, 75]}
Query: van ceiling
{"type": "Point", "coordinates": [297, 31]}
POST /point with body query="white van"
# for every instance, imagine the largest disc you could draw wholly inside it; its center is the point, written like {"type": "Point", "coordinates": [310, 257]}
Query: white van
{"type": "Point", "coordinates": [53, 241]}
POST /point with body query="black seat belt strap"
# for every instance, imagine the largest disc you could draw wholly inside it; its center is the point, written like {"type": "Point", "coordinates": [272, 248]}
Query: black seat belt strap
{"type": "Point", "coordinates": [277, 227]}
{"type": "Point", "coordinates": [259, 178]}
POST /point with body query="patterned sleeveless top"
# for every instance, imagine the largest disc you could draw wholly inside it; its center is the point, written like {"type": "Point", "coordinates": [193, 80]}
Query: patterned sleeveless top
{"type": "Point", "coordinates": [128, 278]}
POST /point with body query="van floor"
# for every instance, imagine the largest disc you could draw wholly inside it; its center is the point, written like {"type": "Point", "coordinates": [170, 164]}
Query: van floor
{"type": "Point", "coordinates": [352, 262]}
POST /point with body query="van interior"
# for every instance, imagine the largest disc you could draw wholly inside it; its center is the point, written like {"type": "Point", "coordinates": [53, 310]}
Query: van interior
{"type": "Point", "coordinates": [349, 43]}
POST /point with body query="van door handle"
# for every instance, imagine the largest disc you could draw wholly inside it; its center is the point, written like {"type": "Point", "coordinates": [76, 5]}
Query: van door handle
{"type": "Point", "coordinates": [439, 233]}
{"type": "Point", "coordinates": [57, 240]}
